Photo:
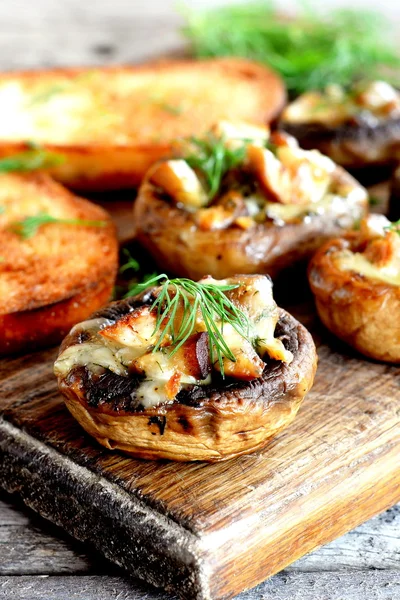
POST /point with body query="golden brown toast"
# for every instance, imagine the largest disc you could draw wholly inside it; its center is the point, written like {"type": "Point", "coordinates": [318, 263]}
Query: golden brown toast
{"type": "Point", "coordinates": [112, 123]}
{"type": "Point", "coordinates": [60, 274]}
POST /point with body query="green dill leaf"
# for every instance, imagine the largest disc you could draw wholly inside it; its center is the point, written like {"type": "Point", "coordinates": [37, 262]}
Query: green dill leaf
{"type": "Point", "coordinates": [136, 287]}
{"type": "Point", "coordinates": [207, 298]}
{"type": "Point", "coordinates": [47, 94]}
{"type": "Point", "coordinates": [373, 201]}
{"type": "Point", "coordinates": [309, 50]}
{"type": "Point", "coordinates": [213, 158]}
{"type": "Point", "coordinates": [131, 262]}
{"type": "Point", "coordinates": [171, 108]}
{"type": "Point", "coordinates": [30, 160]}
{"type": "Point", "coordinates": [395, 226]}
{"type": "Point", "coordinates": [29, 226]}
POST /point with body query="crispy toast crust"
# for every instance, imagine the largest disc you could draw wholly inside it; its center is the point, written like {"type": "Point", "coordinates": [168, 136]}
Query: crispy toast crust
{"type": "Point", "coordinates": [112, 123]}
{"type": "Point", "coordinates": [58, 276]}
{"type": "Point", "coordinates": [45, 326]}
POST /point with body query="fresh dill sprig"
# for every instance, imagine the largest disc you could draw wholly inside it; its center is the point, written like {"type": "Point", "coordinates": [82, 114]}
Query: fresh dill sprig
{"type": "Point", "coordinates": [30, 160]}
{"type": "Point", "coordinates": [172, 109]}
{"type": "Point", "coordinates": [395, 226]}
{"type": "Point", "coordinates": [47, 94]}
{"type": "Point", "coordinates": [187, 299]}
{"type": "Point", "coordinates": [309, 50]}
{"type": "Point", "coordinates": [374, 200]}
{"type": "Point", "coordinates": [130, 264]}
{"type": "Point", "coordinates": [133, 265]}
{"type": "Point", "coordinates": [213, 158]}
{"type": "Point", "coordinates": [29, 226]}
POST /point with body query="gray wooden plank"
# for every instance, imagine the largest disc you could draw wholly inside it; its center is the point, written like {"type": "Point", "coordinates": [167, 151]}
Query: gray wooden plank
{"type": "Point", "coordinates": [45, 33]}
{"type": "Point", "coordinates": [373, 545]}
{"type": "Point", "coordinates": [378, 585]}
{"type": "Point", "coordinates": [27, 551]}
{"type": "Point", "coordinates": [32, 545]}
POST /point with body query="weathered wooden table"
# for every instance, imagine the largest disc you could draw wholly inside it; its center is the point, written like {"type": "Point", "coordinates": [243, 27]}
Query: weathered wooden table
{"type": "Point", "coordinates": [37, 560]}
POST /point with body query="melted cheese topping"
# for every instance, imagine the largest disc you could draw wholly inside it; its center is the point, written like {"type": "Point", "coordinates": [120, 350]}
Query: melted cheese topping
{"type": "Point", "coordinates": [354, 261]}
{"type": "Point", "coordinates": [281, 182]}
{"type": "Point", "coordinates": [165, 372]}
{"type": "Point", "coordinates": [88, 354]}
{"type": "Point", "coordinates": [380, 260]}
{"type": "Point", "coordinates": [335, 106]}
{"type": "Point", "coordinates": [346, 208]}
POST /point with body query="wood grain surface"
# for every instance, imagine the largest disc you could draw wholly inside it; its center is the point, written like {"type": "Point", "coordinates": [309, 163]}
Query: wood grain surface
{"type": "Point", "coordinates": [228, 525]}
{"type": "Point", "coordinates": [40, 33]}
{"type": "Point", "coordinates": [303, 586]}
{"type": "Point", "coordinates": [31, 545]}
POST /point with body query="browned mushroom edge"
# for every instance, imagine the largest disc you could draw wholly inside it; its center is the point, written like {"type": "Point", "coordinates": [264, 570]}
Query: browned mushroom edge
{"type": "Point", "coordinates": [212, 422]}
{"type": "Point", "coordinates": [361, 311]}
{"type": "Point", "coordinates": [354, 145]}
{"type": "Point", "coordinates": [180, 247]}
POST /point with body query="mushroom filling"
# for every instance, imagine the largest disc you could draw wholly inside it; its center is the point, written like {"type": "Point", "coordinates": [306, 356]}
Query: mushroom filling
{"type": "Point", "coordinates": [190, 334]}
{"type": "Point", "coordinates": [368, 103]}
{"type": "Point", "coordinates": [239, 176]}
{"type": "Point", "coordinates": [378, 255]}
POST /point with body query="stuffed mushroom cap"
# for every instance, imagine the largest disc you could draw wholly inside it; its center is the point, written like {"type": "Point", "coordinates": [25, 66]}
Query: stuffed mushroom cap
{"type": "Point", "coordinates": [139, 379]}
{"type": "Point", "coordinates": [357, 127]}
{"type": "Point", "coordinates": [243, 201]}
{"type": "Point", "coordinates": [356, 284]}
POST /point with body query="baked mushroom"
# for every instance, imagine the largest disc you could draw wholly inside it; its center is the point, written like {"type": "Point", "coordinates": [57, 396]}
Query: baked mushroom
{"type": "Point", "coordinates": [356, 284]}
{"type": "Point", "coordinates": [241, 201]}
{"type": "Point", "coordinates": [357, 127]}
{"type": "Point", "coordinates": [188, 371]}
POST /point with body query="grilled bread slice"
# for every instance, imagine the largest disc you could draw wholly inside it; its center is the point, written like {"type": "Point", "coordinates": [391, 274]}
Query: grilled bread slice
{"type": "Point", "coordinates": [59, 272]}
{"type": "Point", "coordinates": [111, 124]}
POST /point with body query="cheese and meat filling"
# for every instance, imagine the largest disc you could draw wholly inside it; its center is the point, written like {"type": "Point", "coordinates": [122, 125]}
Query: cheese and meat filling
{"type": "Point", "coordinates": [378, 257]}
{"type": "Point", "coordinates": [241, 176]}
{"type": "Point", "coordinates": [134, 344]}
{"type": "Point", "coordinates": [370, 103]}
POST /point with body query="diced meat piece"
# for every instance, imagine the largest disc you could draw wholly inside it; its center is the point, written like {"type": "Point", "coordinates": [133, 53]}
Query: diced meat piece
{"type": "Point", "coordinates": [223, 214]}
{"type": "Point", "coordinates": [248, 364]}
{"type": "Point", "coordinates": [134, 330]}
{"type": "Point", "coordinates": [180, 182]}
{"type": "Point", "coordinates": [173, 386]}
{"type": "Point", "coordinates": [293, 175]}
{"type": "Point", "coordinates": [193, 358]}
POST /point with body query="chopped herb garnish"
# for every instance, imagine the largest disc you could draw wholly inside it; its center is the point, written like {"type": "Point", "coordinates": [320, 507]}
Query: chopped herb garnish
{"type": "Point", "coordinates": [373, 201]}
{"type": "Point", "coordinates": [30, 160]}
{"type": "Point", "coordinates": [213, 158]}
{"type": "Point", "coordinates": [171, 108]}
{"type": "Point", "coordinates": [29, 226]}
{"type": "Point", "coordinates": [309, 50]}
{"type": "Point", "coordinates": [47, 94]}
{"type": "Point", "coordinates": [131, 262]}
{"type": "Point", "coordinates": [133, 265]}
{"type": "Point", "coordinates": [191, 298]}
{"type": "Point", "coordinates": [395, 226]}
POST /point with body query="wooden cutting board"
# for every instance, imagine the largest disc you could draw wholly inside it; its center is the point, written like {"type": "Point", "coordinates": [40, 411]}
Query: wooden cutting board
{"type": "Point", "coordinates": [208, 531]}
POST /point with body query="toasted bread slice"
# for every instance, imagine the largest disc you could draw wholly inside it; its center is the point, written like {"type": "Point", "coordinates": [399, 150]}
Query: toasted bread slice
{"type": "Point", "coordinates": [111, 124]}
{"type": "Point", "coordinates": [58, 275]}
